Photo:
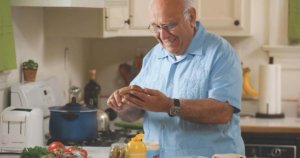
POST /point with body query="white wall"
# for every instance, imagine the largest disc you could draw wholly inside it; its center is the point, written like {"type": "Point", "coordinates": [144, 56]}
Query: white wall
{"type": "Point", "coordinates": [108, 54]}
{"type": "Point", "coordinates": [268, 24]}
{"type": "Point", "coordinates": [50, 53]}
{"type": "Point", "coordinates": [29, 41]}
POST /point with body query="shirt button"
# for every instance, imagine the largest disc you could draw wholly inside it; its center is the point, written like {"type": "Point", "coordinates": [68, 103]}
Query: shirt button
{"type": "Point", "coordinates": [162, 126]}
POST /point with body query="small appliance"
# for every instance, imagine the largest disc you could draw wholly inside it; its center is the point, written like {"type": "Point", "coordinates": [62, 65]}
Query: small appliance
{"type": "Point", "coordinates": [39, 94]}
{"type": "Point", "coordinates": [20, 128]}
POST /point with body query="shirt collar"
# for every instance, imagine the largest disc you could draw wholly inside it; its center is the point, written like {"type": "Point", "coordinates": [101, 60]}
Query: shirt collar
{"type": "Point", "coordinates": [193, 48]}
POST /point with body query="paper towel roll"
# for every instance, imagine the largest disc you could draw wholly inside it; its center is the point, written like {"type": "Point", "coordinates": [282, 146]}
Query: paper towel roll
{"type": "Point", "coordinates": [270, 89]}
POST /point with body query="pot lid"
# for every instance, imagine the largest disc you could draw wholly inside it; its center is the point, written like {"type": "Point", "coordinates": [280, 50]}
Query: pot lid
{"type": "Point", "coordinates": [73, 106]}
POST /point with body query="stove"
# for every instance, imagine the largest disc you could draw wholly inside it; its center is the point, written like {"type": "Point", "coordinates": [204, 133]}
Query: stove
{"type": "Point", "coordinates": [103, 139]}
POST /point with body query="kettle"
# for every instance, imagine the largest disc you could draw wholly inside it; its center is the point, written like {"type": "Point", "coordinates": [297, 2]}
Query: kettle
{"type": "Point", "coordinates": [102, 120]}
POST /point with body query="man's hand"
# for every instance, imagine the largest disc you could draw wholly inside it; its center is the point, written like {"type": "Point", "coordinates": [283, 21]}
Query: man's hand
{"type": "Point", "coordinates": [149, 99]}
{"type": "Point", "coordinates": [116, 100]}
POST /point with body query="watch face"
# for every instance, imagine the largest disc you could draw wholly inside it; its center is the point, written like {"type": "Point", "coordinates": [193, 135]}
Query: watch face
{"type": "Point", "coordinates": [174, 110]}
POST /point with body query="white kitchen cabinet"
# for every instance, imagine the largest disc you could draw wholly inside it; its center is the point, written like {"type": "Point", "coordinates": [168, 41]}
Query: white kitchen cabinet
{"type": "Point", "coordinates": [69, 3]}
{"type": "Point", "coordinates": [116, 21]}
{"type": "Point", "coordinates": [225, 17]}
{"type": "Point", "coordinates": [115, 18]}
{"type": "Point", "coordinates": [134, 23]}
{"type": "Point", "coordinates": [139, 14]}
{"type": "Point", "coordinates": [73, 22]}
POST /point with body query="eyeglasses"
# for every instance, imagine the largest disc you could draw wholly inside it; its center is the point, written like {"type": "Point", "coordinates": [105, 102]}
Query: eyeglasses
{"type": "Point", "coordinates": [156, 28]}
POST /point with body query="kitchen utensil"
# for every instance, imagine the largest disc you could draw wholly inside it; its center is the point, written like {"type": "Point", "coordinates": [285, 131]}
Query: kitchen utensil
{"type": "Point", "coordinates": [128, 72]}
{"type": "Point", "coordinates": [73, 122]}
{"type": "Point", "coordinates": [125, 72]}
{"type": "Point", "coordinates": [102, 120]}
{"type": "Point", "coordinates": [40, 94]}
{"type": "Point", "coordinates": [137, 64]}
{"type": "Point", "coordinates": [20, 128]}
{"type": "Point", "coordinates": [112, 115]}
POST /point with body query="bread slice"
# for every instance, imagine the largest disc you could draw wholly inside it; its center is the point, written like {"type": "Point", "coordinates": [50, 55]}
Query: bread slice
{"type": "Point", "coordinates": [127, 90]}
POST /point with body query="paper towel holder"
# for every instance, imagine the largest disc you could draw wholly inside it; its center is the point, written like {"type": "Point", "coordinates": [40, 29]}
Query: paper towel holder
{"type": "Point", "coordinates": [268, 98]}
{"type": "Point", "coordinates": [261, 115]}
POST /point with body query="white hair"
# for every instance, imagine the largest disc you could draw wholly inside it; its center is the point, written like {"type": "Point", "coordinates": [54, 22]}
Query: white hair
{"type": "Point", "coordinates": [188, 4]}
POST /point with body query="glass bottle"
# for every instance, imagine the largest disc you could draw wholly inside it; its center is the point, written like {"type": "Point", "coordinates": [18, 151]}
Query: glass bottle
{"type": "Point", "coordinates": [92, 90]}
{"type": "Point", "coordinates": [136, 148]}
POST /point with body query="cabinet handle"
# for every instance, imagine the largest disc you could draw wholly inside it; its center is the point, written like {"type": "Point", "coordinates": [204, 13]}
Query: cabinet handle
{"type": "Point", "coordinates": [237, 22]}
{"type": "Point", "coordinates": [127, 21]}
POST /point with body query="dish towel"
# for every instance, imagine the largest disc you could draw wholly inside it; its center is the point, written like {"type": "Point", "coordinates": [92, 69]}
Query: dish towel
{"type": "Point", "coordinates": [294, 21]}
{"type": "Point", "coordinates": [7, 44]}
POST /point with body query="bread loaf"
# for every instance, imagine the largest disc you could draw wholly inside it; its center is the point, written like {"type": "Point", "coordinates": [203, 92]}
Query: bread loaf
{"type": "Point", "coordinates": [127, 90]}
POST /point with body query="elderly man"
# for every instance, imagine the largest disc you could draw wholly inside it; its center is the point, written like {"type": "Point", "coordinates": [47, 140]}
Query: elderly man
{"type": "Point", "coordinates": [191, 83]}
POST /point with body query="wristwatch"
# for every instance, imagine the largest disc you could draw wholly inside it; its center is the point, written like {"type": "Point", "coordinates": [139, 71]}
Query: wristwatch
{"type": "Point", "coordinates": [175, 108]}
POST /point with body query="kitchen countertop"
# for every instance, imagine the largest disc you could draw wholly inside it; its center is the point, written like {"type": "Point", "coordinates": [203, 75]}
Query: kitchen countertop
{"type": "Point", "coordinates": [278, 125]}
{"type": "Point", "coordinates": [248, 124]}
{"type": "Point", "coordinates": [94, 152]}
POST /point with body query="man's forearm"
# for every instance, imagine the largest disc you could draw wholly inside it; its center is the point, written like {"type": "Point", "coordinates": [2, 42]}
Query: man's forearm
{"type": "Point", "coordinates": [205, 111]}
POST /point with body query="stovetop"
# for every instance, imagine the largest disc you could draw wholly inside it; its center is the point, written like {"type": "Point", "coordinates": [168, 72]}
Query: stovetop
{"type": "Point", "coordinates": [104, 138]}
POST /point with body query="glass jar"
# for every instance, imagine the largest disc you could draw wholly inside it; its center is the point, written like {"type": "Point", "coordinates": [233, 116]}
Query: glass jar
{"type": "Point", "coordinates": [118, 150]}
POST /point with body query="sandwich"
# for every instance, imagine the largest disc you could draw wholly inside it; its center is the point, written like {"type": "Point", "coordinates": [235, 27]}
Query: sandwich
{"type": "Point", "coordinates": [126, 90]}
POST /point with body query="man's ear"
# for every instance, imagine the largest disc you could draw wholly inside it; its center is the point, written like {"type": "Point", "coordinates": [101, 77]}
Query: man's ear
{"type": "Point", "coordinates": [192, 15]}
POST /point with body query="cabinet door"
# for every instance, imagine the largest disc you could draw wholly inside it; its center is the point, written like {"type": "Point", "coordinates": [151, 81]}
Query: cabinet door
{"type": "Point", "coordinates": [139, 14]}
{"type": "Point", "coordinates": [225, 17]}
{"type": "Point", "coordinates": [115, 18]}
{"type": "Point", "coordinates": [130, 21]}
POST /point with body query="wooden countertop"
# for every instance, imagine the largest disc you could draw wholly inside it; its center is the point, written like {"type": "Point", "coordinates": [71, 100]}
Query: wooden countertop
{"type": "Point", "coordinates": [262, 125]}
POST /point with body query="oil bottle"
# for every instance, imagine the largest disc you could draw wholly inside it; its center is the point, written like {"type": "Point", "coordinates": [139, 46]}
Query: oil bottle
{"type": "Point", "coordinates": [136, 148]}
{"type": "Point", "coordinates": [92, 90]}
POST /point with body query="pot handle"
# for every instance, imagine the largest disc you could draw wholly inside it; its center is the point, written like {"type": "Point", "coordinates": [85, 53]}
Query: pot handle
{"type": "Point", "coordinates": [70, 116]}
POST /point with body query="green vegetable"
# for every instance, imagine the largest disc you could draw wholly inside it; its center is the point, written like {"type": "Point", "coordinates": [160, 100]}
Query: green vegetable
{"type": "Point", "coordinates": [35, 152]}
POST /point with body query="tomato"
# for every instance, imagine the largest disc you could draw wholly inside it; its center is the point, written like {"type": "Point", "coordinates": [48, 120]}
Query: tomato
{"type": "Point", "coordinates": [55, 145]}
{"type": "Point", "coordinates": [58, 152]}
{"type": "Point", "coordinates": [78, 151]}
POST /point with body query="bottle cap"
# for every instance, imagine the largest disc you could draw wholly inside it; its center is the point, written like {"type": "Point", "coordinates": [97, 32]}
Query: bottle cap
{"type": "Point", "coordinates": [93, 73]}
{"type": "Point", "coordinates": [271, 60]}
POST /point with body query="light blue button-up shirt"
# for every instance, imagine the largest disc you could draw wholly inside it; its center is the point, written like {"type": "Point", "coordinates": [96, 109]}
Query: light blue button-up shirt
{"type": "Point", "coordinates": [209, 68]}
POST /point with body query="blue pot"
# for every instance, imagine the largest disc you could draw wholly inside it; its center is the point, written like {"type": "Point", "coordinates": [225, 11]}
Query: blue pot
{"type": "Point", "coordinates": [73, 122]}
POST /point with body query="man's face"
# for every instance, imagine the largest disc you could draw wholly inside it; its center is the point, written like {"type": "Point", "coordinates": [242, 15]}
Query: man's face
{"type": "Point", "coordinates": [175, 32]}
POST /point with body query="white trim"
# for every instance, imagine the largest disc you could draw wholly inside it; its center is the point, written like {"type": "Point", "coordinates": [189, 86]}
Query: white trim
{"type": "Point", "coordinates": [287, 56]}
{"type": "Point", "coordinates": [69, 3]}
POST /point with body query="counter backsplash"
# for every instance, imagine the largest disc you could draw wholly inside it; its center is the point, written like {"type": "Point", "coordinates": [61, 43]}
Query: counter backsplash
{"type": "Point", "coordinates": [289, 108]}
